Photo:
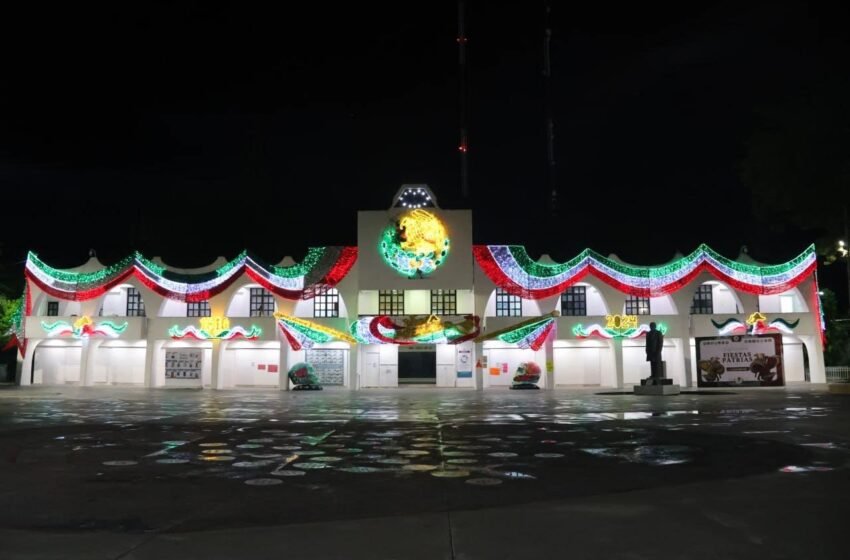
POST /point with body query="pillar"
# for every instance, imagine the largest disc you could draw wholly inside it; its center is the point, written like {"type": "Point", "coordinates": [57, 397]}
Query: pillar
{"type": "Point", "coordinates": [478, 358]}
{"type": "Point", "coordinates": [549, 367]}
{"type": "Point", "coordinates": [87, 358]}
{"type": "Point", "coordinates": [618, 361]}
{"type": "Point", "coordinates": [282, 378]}
{"type": "Point", "coordinates": [217, 375]}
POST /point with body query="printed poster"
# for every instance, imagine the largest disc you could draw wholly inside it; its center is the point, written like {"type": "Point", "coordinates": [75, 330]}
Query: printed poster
{"type": "Point", "coordinates": [740, 361]}
{"type": "Point", "coordinates": [464, 363]}
{"type": "Point", "coordinates": [183, 363]}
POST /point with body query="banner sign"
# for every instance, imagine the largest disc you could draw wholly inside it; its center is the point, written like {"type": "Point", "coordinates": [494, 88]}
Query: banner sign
{"type": "Point", "coordinates": [464, 363]}
{"type": "Point", "coordinates": [746, 360]}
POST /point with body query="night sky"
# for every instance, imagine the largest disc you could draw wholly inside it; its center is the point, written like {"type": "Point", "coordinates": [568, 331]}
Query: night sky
{"type": "Point", "coordinates": [196, 131]}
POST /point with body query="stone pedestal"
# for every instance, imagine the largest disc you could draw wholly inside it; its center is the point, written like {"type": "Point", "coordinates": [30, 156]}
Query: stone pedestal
{"type": "Point", "coordinates": [662, 390]}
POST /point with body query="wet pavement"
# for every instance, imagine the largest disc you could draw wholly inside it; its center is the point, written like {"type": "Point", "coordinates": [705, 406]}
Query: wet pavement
{"type": "Point", "coordinates": [133, 473]}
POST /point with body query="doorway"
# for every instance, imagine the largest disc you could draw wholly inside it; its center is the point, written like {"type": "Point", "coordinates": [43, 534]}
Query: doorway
{"type": "Point", "coordinates": [417, 364]}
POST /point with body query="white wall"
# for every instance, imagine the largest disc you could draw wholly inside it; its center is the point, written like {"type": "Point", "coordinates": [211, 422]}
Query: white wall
{"type": "Point", "coordinates": [792, 355]}
{"type": "Point", "coordinates": [57, 362]}
{"type": "Point", "coordinates": [304, 307]}
{"type": "Point", "coordinates": [786, 302]}
{"type": "Point", "coordinates": [635, 366]}
{"type": "Point", "coordinates": [723, 299]}
{"type": "Point", "coordinates": [115, 302]}
{"type": "Point", "coordinates": [367, 302]}
{"type": "Point", "coordinates": [241, 364]}
{"type": "Point", "coordinates": [584, 362]}
{"type": "Point", "coordinates": [240, 305]}
{"type": "Point", "coordinates": [119, 362]}
{"type": "Point", "coordinates": [172, 308]}
{"type": "Point", "coordinates": [417, 302]}
{"type": "Point", "coordinates": [66, 308]}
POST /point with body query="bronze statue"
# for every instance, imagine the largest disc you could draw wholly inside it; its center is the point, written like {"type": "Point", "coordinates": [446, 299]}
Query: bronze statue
{"type": "Point", "coordinates": [654, 344]}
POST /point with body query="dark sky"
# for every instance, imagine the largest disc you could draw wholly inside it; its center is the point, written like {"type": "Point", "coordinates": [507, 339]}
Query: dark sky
{"type": "Point", "coordinates": [199, 130]}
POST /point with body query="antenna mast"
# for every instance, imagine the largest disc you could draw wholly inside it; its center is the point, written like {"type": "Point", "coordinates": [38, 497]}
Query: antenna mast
{"type": "Point", "coordinates": [550, 120]}
{"type": "Point", "coordinates": [463, 147]}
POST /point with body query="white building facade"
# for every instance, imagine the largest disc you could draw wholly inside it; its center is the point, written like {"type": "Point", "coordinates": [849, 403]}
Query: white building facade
{"type": "Point", "coordinates": [415, 302]}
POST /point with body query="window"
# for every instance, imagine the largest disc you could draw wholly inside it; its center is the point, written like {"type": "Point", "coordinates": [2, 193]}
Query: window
{"type": "Point", "coordinates": [507, 305]}
{"type": "Point", "coordinates": [391, 302]}
{"type": "Point", "coordinates": [326, 304]}
{"type": "Point", "coordinates": [52, 308]}
{"type": "Point", "coordinates": [786, 304]}
{"type": "Point", "coordinates": [261, 303]}
{"type": "Point", "coordinates": [444, 302]}
{"type": "Point", "coordinates": [574, 301]}
{"type": "Point", "coordinates": [135, 305]}
{"type": "Point", "coordinates": [703, 303]}
{"type": "Point", "coordinates": [637, 305]}
{"type": "Point", "coordinates": [198, 309]}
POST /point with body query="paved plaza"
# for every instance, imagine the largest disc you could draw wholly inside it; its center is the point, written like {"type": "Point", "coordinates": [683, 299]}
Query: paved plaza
{"type": "Point", "coordinates": [423, 473]}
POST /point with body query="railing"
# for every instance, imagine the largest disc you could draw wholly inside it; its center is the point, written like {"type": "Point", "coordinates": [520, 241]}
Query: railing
{"type": "Point", "coordinates": [838, 374]}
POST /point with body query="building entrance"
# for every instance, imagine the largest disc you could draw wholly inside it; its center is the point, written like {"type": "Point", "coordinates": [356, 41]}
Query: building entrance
{"type": "Point", "coordinates": [417, 364]}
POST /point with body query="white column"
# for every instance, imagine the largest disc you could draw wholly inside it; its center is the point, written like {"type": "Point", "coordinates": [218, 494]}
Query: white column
{"type": "Point", "coordinates": [283, 360]}
{"type": "Point", "coordinates": [817, 369]}
{"type": "Point", "coordinates": [217, 375]}
{"type": "Point", "coordinates": [549, 365]}
{"type": "Point", "coordinates": [26, 369]}
{"type": "Point", "coordinates": [89, 347]}
{"type": "Point", "coordinates": [618, 361]}
{"type": "Point", "coordinates": [478, 357]}
{"type": "Point", "coordinates": [150, 356]}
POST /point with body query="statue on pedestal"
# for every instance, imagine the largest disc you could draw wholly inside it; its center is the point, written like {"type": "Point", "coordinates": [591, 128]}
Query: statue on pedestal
{"type": "Point", "coordinates": [654, 344]}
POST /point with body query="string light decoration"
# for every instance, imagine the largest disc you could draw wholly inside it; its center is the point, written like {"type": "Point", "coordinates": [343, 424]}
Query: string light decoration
{"type": "Point", "coordinates": [819, 310]}
{"type": "Point", "coordinates": [382, 329]}
{"type": "Point", "coordinates": [531, 333]}
{"type": "Point", "coordinates": [321, 269]}
{"type": "Point", "coordinates": [415, 197]}
{"type": "Point", "coordinates": [416, 244]}
{"type": "Point", "coordinates": [756, 323]}
{"type": "Point", "coordinates": [83, 327]}
{"type": "Point", "coordinates": [617, 326]}
{"type": "Point", "coordinates": [231, 333]}
{"type": "Point", "coordinates": [301, 333]}
{"type": "Point", "coordinates": [510, 268]}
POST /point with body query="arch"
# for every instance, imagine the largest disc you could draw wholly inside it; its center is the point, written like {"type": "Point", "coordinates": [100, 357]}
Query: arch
{"type": "Point", "coordinates": [114, 303]}
{"type": "Point", "coordinates": [789, 301]}
{"type": "Point", "coordinates": [725, 300]}
{"type": "Point", "coordinates": [596, 303]}
{"type": "Point", "coordinates": [529, 307]}
{"type": "Point", "coordinates": [67, 308]}
{"type": "Point", "coordinates": [305, 307]}
{"type": "Point", "coordinates": [240, 302]}
{"type": "Point", "coordinates": [661, 305]}
{"type": "Point", "coordinates": [172, 308]}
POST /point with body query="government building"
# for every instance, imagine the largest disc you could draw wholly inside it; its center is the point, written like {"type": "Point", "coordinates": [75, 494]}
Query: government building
{"type": "Point", "coordinates": [417, 302]}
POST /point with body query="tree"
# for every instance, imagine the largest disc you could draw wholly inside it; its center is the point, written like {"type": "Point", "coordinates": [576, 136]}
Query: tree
{"type": "Point", "coordinates": [837, 352]}
{"type": "Point", "coordinates": [7, 310]}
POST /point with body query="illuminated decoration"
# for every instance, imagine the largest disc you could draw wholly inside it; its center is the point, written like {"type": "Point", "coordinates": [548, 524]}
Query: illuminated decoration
{"type": "Point", "coordinates": [531, 333]}
{"type": "Point", "coordinates": [415, 197]}
{"type": "Point", "coordinates": [83, 327]}
{"type": "Point", "coordinates": [321, 269]}
{"type": "Point", "coordinates": [301, 333]}
{"type": "Point", "coordinates": [431, 329]}
{"type": "Point", "coordinates": [416, 245]}
{"type": "Point", "coordinates": [819, 311]}
{"type": "Point", "coordinates": [510, 268]}
{"type": "Point", "coordinates": [617, 326]}
{"type": "Point", "coordinates": [756, 323]}
{"type": "Point", "coordinates": [220, 330]}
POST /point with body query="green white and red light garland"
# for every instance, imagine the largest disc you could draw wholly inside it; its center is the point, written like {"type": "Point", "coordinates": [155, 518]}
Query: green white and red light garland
{"type": "Point", "coordinates": [176, 332]}
{"type": "Point", "coordinates": [510, 268]}
{"type": "Point", "coordinates": [382, 329]}
{"type": "Point", "coordinates": [322, 268]}
{"type": "Point", "coordinates": [301, 333]}
{"type": "Point", "coordinates": [531, 333]}
{"type": "Point", "coordinates": [601, 331]}
{"type": "Point", "coordinates": [736, 326]}
{"type": "Point", "coordinates": [83, 327]}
